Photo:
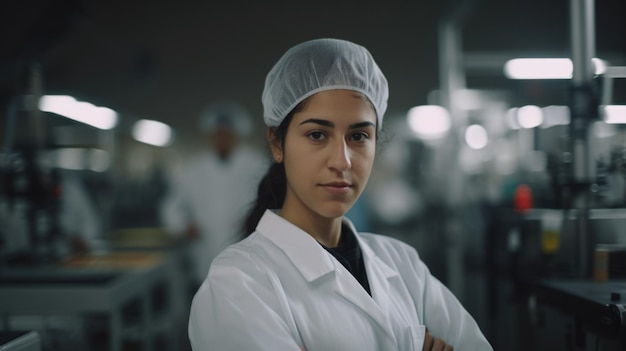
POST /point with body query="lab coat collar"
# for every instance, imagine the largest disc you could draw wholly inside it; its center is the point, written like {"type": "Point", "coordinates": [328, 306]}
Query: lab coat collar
{"type": "Point", "coordinates": [314, 262]}
{"type": "Point", "coordinates": [307, 254]}
{"type": "Point", "coordinates": [301, 248]}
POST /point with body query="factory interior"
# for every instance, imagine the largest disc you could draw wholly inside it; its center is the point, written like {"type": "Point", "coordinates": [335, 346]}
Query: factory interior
{"type": "Point", "coordinates": [503, 161]}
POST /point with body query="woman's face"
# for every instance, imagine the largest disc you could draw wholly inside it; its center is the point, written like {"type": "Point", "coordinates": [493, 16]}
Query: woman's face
{"type": "Point", "coordinates": [328, 154]}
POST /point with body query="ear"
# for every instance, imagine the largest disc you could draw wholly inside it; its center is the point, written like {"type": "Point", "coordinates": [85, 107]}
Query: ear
{"type": "Point", "coordinates": [275, 145]}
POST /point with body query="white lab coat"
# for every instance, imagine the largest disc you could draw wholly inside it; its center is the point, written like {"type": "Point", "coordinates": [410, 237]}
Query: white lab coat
{"type": "Point", "coordinates": [280, 290]}
{"type": "Point", "coordinates": [215, 195]}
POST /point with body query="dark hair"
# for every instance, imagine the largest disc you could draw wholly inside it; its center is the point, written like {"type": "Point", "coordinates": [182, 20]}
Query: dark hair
{"type": "Point", "coordinates": [273, 186]}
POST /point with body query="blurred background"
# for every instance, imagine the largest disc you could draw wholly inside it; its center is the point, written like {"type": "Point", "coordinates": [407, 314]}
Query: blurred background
{"type": "Point", "coordinates": [507, 176]}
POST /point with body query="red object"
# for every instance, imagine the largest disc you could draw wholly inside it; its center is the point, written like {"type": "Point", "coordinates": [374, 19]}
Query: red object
{"type": "Point", "coordinates": [523, 198]}
{"type": "Point", "coordinates": [57, 191]}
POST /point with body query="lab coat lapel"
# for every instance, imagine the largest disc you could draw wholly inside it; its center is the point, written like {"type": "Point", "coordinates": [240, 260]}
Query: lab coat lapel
{"type": "Point", "coordinates": [378, 273]}
{"type": "Point", "coordinates": [313, 262]}
{"type": "Point", "coordinates": [350, 289]}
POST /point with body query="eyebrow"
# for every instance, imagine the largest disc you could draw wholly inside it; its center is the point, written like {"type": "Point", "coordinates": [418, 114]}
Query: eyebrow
{"type": "Point", "coordinates": [326, 123]}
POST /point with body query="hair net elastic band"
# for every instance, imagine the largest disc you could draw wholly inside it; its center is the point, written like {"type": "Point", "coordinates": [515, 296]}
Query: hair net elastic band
{"type": "Point", "coordinates": [379, 114]}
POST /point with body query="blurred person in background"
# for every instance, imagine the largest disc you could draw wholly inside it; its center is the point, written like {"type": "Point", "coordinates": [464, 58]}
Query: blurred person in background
{"type": "Point", "coordinates": [209, 199]}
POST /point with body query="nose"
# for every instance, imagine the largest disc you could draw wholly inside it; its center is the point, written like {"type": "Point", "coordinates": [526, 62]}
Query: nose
{"type": "Point", "coordinates": [339, 158]}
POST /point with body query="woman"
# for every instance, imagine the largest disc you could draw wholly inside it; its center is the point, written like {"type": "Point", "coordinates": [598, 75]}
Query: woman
{"type": "Point", "coordinates": [305, 279]}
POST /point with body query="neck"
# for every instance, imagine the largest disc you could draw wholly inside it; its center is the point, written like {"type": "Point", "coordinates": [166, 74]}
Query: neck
{"type": "Point", "coordinates": [326, 231]}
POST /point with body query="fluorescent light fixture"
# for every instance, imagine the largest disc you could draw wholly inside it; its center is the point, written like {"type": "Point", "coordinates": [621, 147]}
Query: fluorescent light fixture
{"type": "Point", "coordinates": [538, 68]}
{"type": "Point", "coordinates": [84, 112]}
{"type": "Point", "coordinates": [476, 136]}
{"type": "Point", "coordinates": [429, 122]}
{"type": "Point", "coordinates": [546, 68]}
{"type": "Point", "coordinates": [152, 132]}
{"type": "Point", "coordinates": [529, 116]}
{"type": "Point", "coordinates": [614, 114]}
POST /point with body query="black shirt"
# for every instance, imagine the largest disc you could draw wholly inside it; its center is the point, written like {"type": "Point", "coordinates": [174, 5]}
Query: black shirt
{"type": "Point", "coordinates": [348, 252]}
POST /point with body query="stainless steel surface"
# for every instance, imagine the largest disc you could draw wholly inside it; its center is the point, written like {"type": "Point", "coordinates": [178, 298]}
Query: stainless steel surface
{"type": "Point", "coordinates": [76, 291]}
{"type": "Point", "coordinates": [21, 341]}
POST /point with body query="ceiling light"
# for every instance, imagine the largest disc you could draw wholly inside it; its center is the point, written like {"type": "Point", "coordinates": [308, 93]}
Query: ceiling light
{"type": "Point", "coordinates": [615, 114]}
{"type": "Point", "coordinates": [84, 112]}
{"type": "Point", "coordinates": [546, 68]}
{"type": "Point", "coordinates": [476, 136]}
{"type": "Point", "coordinates": [152, 132]}
{"type": "Point", "coordinates": [539, 68]}
{"type": "Point", "coordinates": [529, 116]}
{"type": "Point", "coordinates": [429, 121]}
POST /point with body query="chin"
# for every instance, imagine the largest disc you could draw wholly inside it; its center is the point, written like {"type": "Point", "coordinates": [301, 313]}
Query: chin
{"type": "Point", "coordinates": [335, 211]}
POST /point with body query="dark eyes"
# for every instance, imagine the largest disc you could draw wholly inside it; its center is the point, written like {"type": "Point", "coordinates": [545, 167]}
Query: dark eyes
{"type": "Point", "coordinates": [317, 136]}
{"type": "Point", "coordinates": [356, 137]}
{"type": "Point", "coordinates": [359, 137]}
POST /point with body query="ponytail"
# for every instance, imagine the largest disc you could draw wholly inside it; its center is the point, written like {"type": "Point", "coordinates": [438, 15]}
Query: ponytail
{"type": "Point", "coordinates": [270, 195]}
{"type": "Point", "coordinates": [273, 186]}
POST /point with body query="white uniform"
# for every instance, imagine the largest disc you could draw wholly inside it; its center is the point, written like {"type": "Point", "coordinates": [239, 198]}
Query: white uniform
{"type": "Point", "coordinates": [280, 290]}
{"type": "Point", "coordinates": [215, 195]}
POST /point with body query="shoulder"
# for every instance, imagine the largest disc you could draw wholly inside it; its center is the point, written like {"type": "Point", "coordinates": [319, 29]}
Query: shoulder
{"type": "Point", "coordinates": [245, 256]}
{"type": "Point", "coordinates": [240, 251]}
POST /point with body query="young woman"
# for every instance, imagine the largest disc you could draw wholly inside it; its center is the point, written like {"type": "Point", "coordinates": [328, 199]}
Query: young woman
{"type": "Point", "coordinates": [305, 279]}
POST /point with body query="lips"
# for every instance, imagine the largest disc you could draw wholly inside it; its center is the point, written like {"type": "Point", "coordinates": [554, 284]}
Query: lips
{"type": "Point", "coordinates": [337, 184]}
{"type": "Point", "coordinates": [337, 188]}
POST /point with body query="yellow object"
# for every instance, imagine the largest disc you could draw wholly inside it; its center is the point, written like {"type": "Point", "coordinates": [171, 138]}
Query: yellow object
{"type": "Point", "coordinates": [551, 222]}
{"type": "Point", "coordinates": [116, 260]}
{"type": "Point", "coordinates": [549, 241]}
{"type": "Point", "coordinates": [601, 265]}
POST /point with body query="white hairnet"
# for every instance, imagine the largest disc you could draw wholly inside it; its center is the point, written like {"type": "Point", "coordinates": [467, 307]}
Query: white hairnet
{"type": "Point", "coordinates": [318, 65]}
{"type": "Point", "coordinates": [226, 114]}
